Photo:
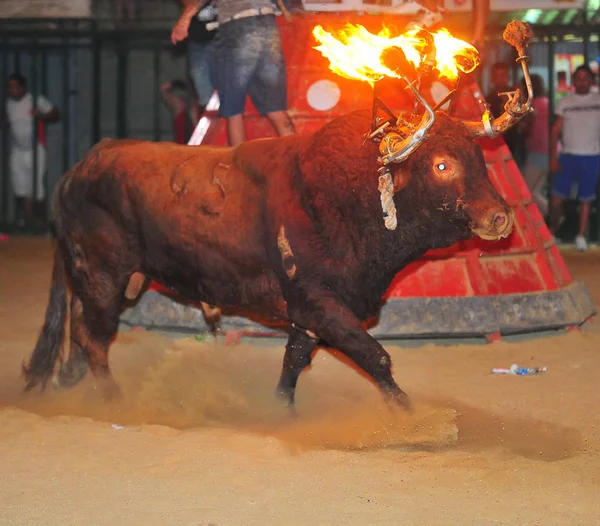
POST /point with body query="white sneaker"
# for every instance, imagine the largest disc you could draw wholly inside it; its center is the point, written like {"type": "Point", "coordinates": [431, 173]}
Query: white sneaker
{"type": "Point", "coordinates": [581, 243]}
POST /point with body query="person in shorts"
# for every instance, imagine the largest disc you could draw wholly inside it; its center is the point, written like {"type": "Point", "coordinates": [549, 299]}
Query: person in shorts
{"type": "Point", "coordinates": [249, 61]}
{"type": "Point", "coordinates": [578, 122]}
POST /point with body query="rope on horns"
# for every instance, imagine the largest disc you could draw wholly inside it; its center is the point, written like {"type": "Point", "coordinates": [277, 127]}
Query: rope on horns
{"type": "Point", "coordinates": [386, 189]}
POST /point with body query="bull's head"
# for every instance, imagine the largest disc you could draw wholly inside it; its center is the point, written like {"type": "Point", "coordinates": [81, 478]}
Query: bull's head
{"type": "Point", "coordinates": [447, 178]}
{"type": "Point", "coordinates": [455, 161]}
{"type": "Point", "coordinates": [428, 142]}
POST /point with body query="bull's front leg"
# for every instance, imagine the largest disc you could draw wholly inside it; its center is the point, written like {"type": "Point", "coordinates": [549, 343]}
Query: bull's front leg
{"type": "Point", "coordinates": [334, 323]}
{"type": "Point", "coordinates": [297, 356]}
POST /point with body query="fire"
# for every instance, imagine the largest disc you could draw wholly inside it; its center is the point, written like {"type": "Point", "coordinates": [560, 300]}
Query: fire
{"type": "Point", "coordinates": [355, 53]}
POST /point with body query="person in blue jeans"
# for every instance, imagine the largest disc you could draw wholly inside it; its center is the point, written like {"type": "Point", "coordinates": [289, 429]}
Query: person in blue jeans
{"type": "Point", "coordinates": [249, 61]}
{"type": "Point", "coordinates": [578, 122]}
{"type": "Point", "coordinates": [197, 23]}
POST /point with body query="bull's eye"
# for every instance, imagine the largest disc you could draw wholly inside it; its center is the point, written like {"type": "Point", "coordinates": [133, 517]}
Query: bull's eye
{"type": "Point", "coordinates": [444, 169]}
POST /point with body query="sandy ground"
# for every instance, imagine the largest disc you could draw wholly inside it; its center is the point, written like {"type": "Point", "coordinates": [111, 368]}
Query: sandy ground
{"type": "Point", "coordinates": [199, 439]}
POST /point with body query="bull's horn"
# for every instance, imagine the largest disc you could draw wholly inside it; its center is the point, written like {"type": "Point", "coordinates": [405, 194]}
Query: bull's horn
{"type": "Point", "coordinates": [394, 147]}
{"type": "Point", "coordinates": [518, 34]}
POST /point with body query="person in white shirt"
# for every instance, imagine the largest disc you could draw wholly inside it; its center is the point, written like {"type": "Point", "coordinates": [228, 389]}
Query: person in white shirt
{"type": "Point", "coordinates": [578, 122]}
{"type": "Point", "coordinates": [22, 115]}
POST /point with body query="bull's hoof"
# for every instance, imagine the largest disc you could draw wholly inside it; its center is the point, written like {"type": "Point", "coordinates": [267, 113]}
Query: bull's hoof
{"type": "Point", "coordinates": [399, 398]}
{"type": "Point", "coordinates": [212, 316]}
{"type": "Point", "coordinates": [287, 397]}
{"type": "Point", "coordinates": [70, 374]}
{"type": "Point", "coordinates": [215, 328]}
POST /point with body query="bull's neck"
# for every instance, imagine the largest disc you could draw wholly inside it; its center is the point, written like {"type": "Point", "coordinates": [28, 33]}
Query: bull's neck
{"type": "Point", "coordinates": [420, 228]}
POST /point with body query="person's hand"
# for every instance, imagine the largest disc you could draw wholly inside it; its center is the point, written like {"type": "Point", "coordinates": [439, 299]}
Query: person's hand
{"type": "Point", "coordinates": [555, 164]}
{"type": "Point", "coordinates": [180, 30]}
{"type": "Point", "coordinates": [36, 113]}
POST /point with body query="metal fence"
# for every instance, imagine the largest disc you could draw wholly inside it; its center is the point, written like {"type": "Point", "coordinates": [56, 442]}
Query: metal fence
{"type": "Point", "coordinates": [105, 82]}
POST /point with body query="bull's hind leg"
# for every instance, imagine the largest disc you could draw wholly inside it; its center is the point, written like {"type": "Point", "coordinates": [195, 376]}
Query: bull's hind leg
{"type": "Point", "coordinates": [212, 316]}
{"type": "Point", "coordinates": [76, 366]}
{"type": "Point", "coordinates": [95, 314]}
{"type": "Point", "coordinates": [297, 356]}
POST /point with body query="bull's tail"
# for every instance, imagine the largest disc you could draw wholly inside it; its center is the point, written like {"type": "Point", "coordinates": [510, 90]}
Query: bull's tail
{"type": "Point", "coordinates": [49, 344]}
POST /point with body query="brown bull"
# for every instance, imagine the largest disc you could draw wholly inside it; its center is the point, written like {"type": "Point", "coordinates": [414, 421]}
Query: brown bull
{"type": "Point", "coordinates": [290, 228]}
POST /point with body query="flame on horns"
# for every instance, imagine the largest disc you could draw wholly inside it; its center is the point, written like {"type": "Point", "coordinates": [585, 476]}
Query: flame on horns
{"type": "Point", "coordinates": [355, 53]}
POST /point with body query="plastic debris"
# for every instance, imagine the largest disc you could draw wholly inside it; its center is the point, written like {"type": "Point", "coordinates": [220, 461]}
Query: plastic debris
{"type": "Point", "coordinates": [117, 427]}
{"type": "Point", "coordinates": [515, 369]}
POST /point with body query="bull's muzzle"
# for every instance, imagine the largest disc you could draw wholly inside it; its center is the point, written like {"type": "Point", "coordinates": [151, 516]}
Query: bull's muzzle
{"type": "Point", "coordinates": [496, 224]}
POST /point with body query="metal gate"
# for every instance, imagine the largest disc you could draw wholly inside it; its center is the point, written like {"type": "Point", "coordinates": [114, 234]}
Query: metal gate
{"type": "Point", "coordinates": [106, 83]}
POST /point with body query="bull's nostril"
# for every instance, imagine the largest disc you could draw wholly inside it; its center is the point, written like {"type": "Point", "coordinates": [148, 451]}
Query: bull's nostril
{"type": "Point", "coordinates": [499, 220]}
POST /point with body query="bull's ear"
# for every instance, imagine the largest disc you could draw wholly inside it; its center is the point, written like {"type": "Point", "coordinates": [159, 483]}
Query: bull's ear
{"type": "Point", "coordinates": [401, 177]}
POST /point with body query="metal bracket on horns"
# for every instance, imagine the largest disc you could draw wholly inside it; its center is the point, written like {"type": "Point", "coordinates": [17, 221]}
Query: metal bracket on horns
{"type": "Point", "coordinates": [487, 124]}
{"type": "Point", "coordinates": [397, 139]}
{"type": "Point", "coordinates": [395, 148]}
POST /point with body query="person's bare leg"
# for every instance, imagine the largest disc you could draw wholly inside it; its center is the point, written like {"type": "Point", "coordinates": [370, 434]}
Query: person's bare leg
{"type": "Point", "coordinates": [282, 122]}
{"type": "Point", "coordinates": [584, 217]}
{"type": "Point", "coordinates": [557, 213]}
{"type": "Point", "coordinates": [236, 133]}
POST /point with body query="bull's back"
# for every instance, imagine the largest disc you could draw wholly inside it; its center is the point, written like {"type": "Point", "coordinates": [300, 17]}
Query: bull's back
{"type": "Point", "coordinates": [189, 209]}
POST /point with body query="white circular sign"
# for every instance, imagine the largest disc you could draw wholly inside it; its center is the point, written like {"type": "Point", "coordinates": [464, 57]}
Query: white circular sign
{"type": "Point", "coordinates": [323, 95]}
